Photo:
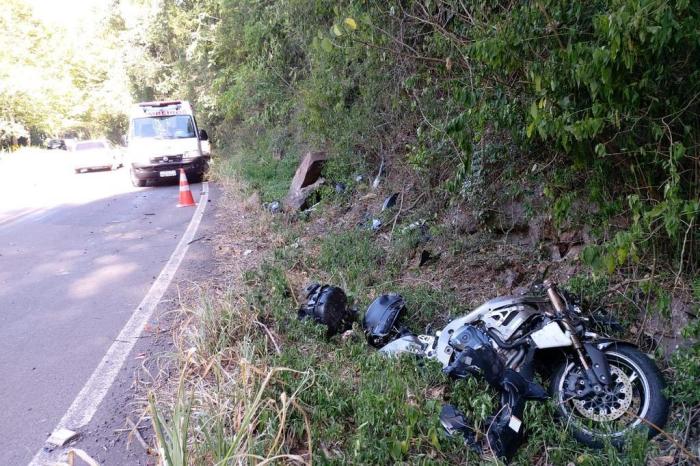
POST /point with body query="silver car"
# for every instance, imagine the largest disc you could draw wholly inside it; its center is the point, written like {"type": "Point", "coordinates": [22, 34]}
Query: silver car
{"type": "Point", "coordinates": [94, 155]}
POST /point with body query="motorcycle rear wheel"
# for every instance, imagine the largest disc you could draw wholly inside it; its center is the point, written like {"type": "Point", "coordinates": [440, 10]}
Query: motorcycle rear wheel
{"type": "Point", "coordinates": [634, 400]}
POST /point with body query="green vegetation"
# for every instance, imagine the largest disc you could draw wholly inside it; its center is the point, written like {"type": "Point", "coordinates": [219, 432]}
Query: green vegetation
{"type": "Point", "coordinates": [56, 82]}
{"type": "Point", "coordinates": [254, 368]}
{"type": "Point", "coordinates": [606, 91]}
{"type": "Point", "coordinates": [585, 113]}
{"type": "Point", "coordinates": [686, 390]}
{"type": "Point", "coordinates": [253, 157]}
{"type": "Point", "coordinates": [600, 99]}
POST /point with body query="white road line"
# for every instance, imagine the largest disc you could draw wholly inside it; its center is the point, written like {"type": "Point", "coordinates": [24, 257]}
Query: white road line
{"type": "Point", "coordinates": [88, 400]}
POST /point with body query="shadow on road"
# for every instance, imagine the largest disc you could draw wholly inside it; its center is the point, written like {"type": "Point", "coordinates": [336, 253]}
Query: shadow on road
{"type": "Point", "coordinates": [71, 276]}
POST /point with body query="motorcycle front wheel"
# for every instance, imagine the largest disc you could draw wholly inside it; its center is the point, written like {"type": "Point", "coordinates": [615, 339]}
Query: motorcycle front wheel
{"type": "Point", "coordinates": [633, 400]}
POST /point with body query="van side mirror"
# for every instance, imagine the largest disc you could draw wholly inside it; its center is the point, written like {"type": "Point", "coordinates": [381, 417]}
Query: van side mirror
{"type": "Point", "coordinates": [203, 136]}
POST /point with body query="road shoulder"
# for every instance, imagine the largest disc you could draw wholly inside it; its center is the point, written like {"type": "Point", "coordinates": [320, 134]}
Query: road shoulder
{"type": "Point", "coordinates": [111, 436]}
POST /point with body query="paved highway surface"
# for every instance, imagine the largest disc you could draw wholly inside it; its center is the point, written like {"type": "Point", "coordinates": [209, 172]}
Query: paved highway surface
{"type": "Point", "coordinates": [78, 252]}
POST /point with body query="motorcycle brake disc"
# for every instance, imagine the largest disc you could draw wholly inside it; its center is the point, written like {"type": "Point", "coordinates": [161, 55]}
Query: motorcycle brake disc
{"type": "Point", "coordinates": [612, 403]}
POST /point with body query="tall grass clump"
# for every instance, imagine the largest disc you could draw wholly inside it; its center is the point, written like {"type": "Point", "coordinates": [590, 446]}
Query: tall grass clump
{"type": "Point", "coordinates": [231, 406]}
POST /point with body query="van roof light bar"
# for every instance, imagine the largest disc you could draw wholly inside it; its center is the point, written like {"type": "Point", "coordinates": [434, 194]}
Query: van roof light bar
{"type": "Point", "coordinates": [160, 104]}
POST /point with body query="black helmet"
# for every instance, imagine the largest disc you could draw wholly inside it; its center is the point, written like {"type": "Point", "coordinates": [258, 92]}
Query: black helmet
{"type": "Point", "coordinates": [327, 305]}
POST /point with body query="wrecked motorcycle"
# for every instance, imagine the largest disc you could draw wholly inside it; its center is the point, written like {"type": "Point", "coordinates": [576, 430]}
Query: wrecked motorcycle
{"type": "Point", "coordinates": [602, 388]}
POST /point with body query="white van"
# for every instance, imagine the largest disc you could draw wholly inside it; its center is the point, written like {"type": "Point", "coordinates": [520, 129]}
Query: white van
{"type": "Point", "coordinates": [163, 137]}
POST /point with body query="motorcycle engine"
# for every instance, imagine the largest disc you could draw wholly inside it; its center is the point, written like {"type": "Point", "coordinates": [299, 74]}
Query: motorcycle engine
{"type": "Point", "coordinates": [502, 353]}
{"type": "Point", "coordinates": [505, 354]}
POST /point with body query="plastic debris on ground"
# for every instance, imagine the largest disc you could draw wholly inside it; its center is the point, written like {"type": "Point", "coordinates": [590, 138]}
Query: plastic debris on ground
{"type": "Point", "coordinates": [275, 207]}
{"type": "Point", "coordinates": [390, 201]}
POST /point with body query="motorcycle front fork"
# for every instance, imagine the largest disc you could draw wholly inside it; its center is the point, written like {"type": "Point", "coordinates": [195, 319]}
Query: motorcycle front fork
{"type": "Point", "coordinates": [601, 372]}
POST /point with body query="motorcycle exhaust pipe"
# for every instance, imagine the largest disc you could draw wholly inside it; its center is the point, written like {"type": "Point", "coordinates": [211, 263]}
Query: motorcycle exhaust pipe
{"type": "Point", "coordinates": [515, 360]}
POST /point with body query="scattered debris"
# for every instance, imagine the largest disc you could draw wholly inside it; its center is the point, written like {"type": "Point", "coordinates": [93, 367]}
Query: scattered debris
{"type": "Point", "coordinates": [82, 454]}
{"type": "Point", "coordinates": [348, 335]}
{"type": "Point", "coordinates": [406, 344]}
{"type": "Point", "coordinates": [390, 201]}
{"type": "Point", "coordinates": [247, 252]}
{"type": "Point", "coordinates": [455, 423]}
{"type": "Point", "coordinates": [376, 224]}
{"type": "Point", "coordinates": [275, 207]}
{"type": "Point", "coordinates": [327, 305]}
{"type": "Point", "coordinates": [359, 178]}
{"type": "Point", "coordinates": [421, 225]}
{"type": "Point", "coordinates": [412, 226]}
{"type": "Point", "coordinates": [306, 180]}
{"type": "Point", "coordinates": [196, 239]}
{"type": "Point", "coordinates": [475, 356]}
{"type": "Point", "coordinates": [380, 173]}
{"type": "Point", "coordinates": [499, 341]}
{"type": "Point", "coordinates": [312, 208]}
{"type": "Point", "coordinates": [340, 188]}
{"type": "Point", "coordinates": [61, 436]}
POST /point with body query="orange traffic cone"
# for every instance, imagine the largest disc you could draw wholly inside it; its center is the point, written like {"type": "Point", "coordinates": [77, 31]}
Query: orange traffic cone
{"type": "Point", "coordinates": [186, 199]}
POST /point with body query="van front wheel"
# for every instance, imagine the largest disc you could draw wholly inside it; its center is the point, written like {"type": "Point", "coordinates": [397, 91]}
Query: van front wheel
{"type": "Point", "coordinates": [135, 181]}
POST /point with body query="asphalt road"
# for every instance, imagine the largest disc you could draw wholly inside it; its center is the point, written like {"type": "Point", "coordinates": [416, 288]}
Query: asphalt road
{"type": "Point", "coordinates": [78, 252]}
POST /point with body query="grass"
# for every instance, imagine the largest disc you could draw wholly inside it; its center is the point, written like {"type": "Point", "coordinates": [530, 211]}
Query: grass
{"type": "Point", "coordinates": [366, 409]}
{"type": "Point", "coordinates": [351, 259]}
{"type": "Point", "coordinates": [172, 434]}
{"type": "Point", "coordinates": [260, 386]}
{"type": "Point", "coordinates": [267, 387]}
{"type": "Point", "coordinates": [222, 412]}
{"type": "Point", "coordinates": [253, 158]}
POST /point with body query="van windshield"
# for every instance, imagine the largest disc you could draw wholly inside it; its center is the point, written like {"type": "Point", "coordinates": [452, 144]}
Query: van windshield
{"type": "Point", "coordinates": [163, 127]}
